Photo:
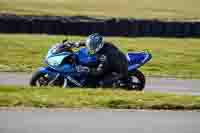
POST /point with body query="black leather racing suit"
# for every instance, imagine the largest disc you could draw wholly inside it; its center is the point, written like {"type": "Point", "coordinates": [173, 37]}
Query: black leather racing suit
{"type": "Point", "coordinates": [112, 65]}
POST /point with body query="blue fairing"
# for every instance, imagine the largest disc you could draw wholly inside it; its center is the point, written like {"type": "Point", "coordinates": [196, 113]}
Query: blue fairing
{"type": "Point", "coordinates": [84, 57]}
{"type": "Point", "coordinates": [54, 72]}
{"type": "Point", "coordinates": [43, 69]}
{"type": "Point", "coordinates": [54, 61]}
{"type": "Point", "coordinates": [137, 60]}
{"type": "Point", "coordinates": [48, 70]}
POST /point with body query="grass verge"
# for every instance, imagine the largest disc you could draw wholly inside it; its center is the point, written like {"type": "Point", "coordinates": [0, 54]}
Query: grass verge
{"type": "Point", "coordinates": [148, 9]}
{"type": "Point", "coordinates": [90, 98]}
{"type": "Point", "coordinates": [171, 57]}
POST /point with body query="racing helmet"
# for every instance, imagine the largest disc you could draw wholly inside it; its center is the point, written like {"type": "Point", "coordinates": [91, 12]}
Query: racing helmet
{"type": "Point", "coordinates": [94, 43]}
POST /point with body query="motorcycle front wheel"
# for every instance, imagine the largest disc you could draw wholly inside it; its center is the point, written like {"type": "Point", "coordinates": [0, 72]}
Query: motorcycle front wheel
{"type": "Point", "coordinates": [39, 79]}
{"type": "Point", "coordinates": [43, 79]}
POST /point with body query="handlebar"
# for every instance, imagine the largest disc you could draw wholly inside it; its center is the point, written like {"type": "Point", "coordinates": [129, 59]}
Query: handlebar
{"type": "Point", "coordinates": [66, 46]}
{"type": "Point", "coordinates": [73, 44]}
{"type": "Point", "coordinates": [69, 44]}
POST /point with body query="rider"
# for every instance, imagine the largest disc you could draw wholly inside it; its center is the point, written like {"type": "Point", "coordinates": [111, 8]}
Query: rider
{"type": "Point", "coordinates": [112, 63]}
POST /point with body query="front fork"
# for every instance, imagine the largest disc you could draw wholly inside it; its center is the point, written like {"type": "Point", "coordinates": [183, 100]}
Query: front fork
{"type": "Point", "coordinates": [52, 76]}
{"type": "Point", "coordinates": [68, 81]}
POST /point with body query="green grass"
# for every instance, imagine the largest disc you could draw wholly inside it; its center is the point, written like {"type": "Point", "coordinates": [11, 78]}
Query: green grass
{"type": "Point", "coordinates": [171, 57]}
{"type": "Point", "coordinates": [90, 98]}
{"type": "Point", "coordinates": [161, 9]}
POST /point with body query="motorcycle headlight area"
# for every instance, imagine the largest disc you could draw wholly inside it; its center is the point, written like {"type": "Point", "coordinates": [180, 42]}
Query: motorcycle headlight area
{"type": "Point", "coordinates": [53, 62]}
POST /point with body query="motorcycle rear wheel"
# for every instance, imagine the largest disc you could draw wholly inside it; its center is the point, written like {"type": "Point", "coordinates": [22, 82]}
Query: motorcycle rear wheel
{"type": "Point", "coordinates": [137, 81]}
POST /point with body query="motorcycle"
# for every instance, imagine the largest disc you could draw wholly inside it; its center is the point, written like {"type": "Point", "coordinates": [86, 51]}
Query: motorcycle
{"type": "Point", "coordinates": [66, 69]}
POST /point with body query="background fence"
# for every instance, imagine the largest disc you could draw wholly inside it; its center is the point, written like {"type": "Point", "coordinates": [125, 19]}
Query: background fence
{"type": "Point", "coordinates": [86, 25]}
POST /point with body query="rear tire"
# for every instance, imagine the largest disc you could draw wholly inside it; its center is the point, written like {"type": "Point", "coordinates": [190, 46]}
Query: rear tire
{"type": "Point", "coordinates": [140, 78]}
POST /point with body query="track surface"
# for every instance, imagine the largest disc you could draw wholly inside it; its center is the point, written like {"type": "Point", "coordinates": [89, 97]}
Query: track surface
{"type": "Point", "coordinates": [101, 121]}
{"type": "Point", "coordinates": [153, 84]}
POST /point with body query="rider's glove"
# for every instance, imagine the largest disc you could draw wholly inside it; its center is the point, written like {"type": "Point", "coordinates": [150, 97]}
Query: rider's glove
{"type": "Point", "coordinates": [79, 44]}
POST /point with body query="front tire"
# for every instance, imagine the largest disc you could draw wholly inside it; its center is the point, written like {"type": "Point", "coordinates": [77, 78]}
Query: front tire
{"type": "Point", "coordinates": [140, 82]}
{"type": "Point", "coordinates": [39, 79]}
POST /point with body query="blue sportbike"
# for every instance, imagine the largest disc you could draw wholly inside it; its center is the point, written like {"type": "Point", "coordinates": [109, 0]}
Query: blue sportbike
{"type": "Point", "coordinates": [67, 69]}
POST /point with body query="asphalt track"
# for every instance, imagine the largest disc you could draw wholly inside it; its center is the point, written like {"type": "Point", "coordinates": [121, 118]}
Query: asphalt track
{"type": "Point", "coordinates": [98, 121]}
{"type": "Point", "coordinates": [170, 85]}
